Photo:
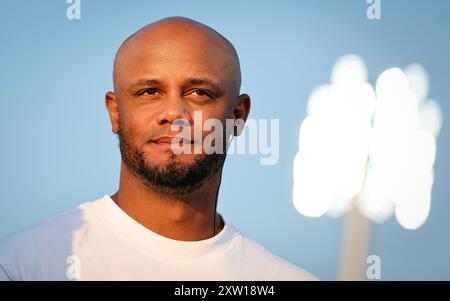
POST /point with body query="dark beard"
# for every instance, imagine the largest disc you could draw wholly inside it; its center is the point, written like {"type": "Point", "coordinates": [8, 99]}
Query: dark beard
{"type": "Point", "coordinates": [175, 177]}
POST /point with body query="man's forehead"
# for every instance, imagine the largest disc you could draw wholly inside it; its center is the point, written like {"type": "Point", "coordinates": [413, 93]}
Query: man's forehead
{"type": "Point", "coordinates": [175, 51]}
{"type": "Point", "coordinates": [164, 45]}
{"type": "Point", "coordinates": [174, 66]}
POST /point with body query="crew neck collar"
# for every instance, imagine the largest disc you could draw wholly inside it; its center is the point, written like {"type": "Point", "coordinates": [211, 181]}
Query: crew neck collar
{"type": "Point", "coordinates": [158, 245]}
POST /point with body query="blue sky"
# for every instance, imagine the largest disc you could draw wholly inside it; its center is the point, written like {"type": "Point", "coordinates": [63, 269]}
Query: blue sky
{"type": "Point", "coordinates": [58, 150]}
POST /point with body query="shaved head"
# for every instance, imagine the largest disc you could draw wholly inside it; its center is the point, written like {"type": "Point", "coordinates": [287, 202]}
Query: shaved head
{"type": "Point", "coordinates": [172, 70]}
{"type": "Point", "coordinates": [186, 35]}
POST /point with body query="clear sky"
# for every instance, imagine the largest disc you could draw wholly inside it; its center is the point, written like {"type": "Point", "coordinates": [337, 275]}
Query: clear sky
{"type": "Point", "coordinates": [57, 149]}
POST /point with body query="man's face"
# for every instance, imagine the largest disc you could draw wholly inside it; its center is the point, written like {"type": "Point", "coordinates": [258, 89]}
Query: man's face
{"type": "Point", "coordinates": [163, 80]}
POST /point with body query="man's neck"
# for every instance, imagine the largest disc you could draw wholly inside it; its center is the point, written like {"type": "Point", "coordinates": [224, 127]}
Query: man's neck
{"type": "Point", "coordinates": [188, 217]}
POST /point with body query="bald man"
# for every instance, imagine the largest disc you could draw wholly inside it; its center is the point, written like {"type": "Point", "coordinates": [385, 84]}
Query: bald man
{"type": "Point", "coordinates": [162, 222]}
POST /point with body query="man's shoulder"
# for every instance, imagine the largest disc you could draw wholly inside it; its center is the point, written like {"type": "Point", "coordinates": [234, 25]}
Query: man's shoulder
{"type": "Point", "coordinates": [24, 254]}
{"type": "Point", "coordinates": [273, 266]}
{"type": "Point", "coordinates": [44, 235]}
{"type": "Point", "coordinates": [61, 222]}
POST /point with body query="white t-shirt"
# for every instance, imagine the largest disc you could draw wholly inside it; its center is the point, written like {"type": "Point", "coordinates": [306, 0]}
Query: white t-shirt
{"type": "Point", "coordinates": [99, 241]}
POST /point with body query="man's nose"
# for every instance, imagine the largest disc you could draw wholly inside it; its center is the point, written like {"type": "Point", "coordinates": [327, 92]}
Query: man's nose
{"type": "Point", "coordinates": [174, 108]}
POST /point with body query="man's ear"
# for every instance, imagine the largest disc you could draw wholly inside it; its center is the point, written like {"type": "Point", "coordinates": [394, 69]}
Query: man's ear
{"type": "Point", "coordinates": [111, 106]}
{"type": "Point", "coordinates": [241, 111]}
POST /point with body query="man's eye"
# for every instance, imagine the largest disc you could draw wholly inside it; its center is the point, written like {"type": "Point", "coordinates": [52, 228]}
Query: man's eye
{"type": "Point", "coordinates": [201, 92]}
{"type": "Point", "coordinates": [151, 91]}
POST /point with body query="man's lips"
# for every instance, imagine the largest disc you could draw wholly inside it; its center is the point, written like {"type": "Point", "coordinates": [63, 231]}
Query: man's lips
{"type": "Point", "coordinates": [169, 140]}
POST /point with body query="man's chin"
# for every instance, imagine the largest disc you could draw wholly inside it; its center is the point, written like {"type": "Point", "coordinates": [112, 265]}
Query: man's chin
{"type": "Point", "coordinates": [169, 157]}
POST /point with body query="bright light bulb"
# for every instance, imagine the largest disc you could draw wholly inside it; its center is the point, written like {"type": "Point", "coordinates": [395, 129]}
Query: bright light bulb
{"type": "Point", "coordinates": [379, 148]}
{"type": "Point", "coordinates": [349, 69]}
{"type": "Point", "coordinates": [418, 80]}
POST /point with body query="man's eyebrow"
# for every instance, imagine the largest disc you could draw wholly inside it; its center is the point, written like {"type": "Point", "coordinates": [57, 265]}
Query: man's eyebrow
{"type": "Point", "coordinates": [144, 82]}
{"type": "Point", "coordinates": [205, 82]}
{"type": "Point", "coordinates": [192, 81]}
